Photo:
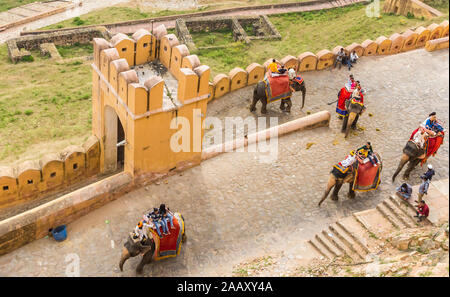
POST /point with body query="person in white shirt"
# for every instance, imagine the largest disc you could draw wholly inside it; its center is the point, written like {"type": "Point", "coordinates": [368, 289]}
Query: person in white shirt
{"type": "Point", "coordinates": [349, 160]}
{"type": "Point", "coordinates": [353, 57]}
{"type": "Point", "coordinates": [420, 138]}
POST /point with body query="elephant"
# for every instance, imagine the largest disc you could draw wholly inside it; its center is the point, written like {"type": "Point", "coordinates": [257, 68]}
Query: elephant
{"type": "Point", "coordinates": [259, 94]}
{"type": "Point", "coordinates": [355, 110]}
{"type": "Point", "coordinates": [412, 155]}
{"type": "Point", "coordinates": [337, 179]}
{"type": "Point", "coordinates": [147, 250]}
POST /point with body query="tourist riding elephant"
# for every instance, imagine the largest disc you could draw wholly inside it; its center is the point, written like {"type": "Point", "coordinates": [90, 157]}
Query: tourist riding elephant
{"type": "Point", "coordinates": [259, 94]}
{"type": "Point", "coordinates": [412, 155]}
{"type": "Point", "coordinates": [133, 248]}
{"type": "Point", "coordinates": [337, 179]}
{"type": "Point", "coordinates": [355, 109]}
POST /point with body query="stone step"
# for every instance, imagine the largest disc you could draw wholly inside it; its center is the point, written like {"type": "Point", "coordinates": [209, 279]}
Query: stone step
{"type": "Point", "coordinates": [404, 206]}
{"type": "Point", "coordinates": [348, 227]}
{"type": "Point", "coordinates": [374, 223]}
{"type": "Point", "coordinates": [340, 245]}
{"type": "Point", "coordinates": [406, 219]}
{"type": "Point", "coordinates": [328, 245]}
{"type": "Point", "coordinates": [318, 247]}
{"type": "Point", "coordinates": [390, 216]}
{"type": "Point", "coordinates": [349, 242]}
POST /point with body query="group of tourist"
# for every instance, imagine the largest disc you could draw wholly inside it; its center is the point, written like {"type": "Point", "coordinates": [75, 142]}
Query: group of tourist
{"type": "Point", "coordinates": [429, 128]}
{"type": "Point", "coordinates": [342, 58]}
{"type": "Point", "coordinates": [405, 192]}
{"type": "Point", "coordinates": [158, 218]}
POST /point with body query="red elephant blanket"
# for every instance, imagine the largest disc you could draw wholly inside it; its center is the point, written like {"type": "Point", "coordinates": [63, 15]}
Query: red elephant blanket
{"type": "Point", "coordinates": [431, 147]}
{"type": "Point", "coordinates": [277, 88]}
{"type": "Point", "coordinates": [367, 177]}
{"type": "Point", "coordinates": [344, 95]}
{"type": "Point", "coordinates": [169, 245]}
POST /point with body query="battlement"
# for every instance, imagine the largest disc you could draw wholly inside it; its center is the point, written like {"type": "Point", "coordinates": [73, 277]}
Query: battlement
{"type": "Point", "coordinates": [147, 80]}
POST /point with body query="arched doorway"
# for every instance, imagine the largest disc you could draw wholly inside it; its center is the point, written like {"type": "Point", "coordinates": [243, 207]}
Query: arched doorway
{"type": "Point", "coordinates": [114, 141]}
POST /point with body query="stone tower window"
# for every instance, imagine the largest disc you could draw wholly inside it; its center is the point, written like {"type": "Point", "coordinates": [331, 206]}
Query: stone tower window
{"type": "Point", "coordinates": [30, 181]}
{"type": "Point", "coordinates": [53, 174]}
{"type": "Point", "coordinates": [5, 188]}
{"type": "Point", "coordinates": [75, 166]}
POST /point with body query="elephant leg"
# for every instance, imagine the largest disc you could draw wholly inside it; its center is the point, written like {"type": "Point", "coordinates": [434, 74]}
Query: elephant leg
{"type": "Point", "coordinates": [330, 185]}
{"type": "Point", "coordinates": [344, 124]}
{"type": "Point", "coordinates": [146, 258]}
{"type": "Point", "coordinates": [403, 161]}
{"type": "Point", "coordinates": [282, 105]}
{"type": "Point", "coordinates": [351, 193]}
{"type": "Point", "coordinates": [355, 121]}
{"type": "Point", "coordinates": [351, 118]}
{"type": "Point", "coordinates": [264, 105]}
{"type": "Point", "coordinates": [411, 165]}
{"type": "Point", "coordinates": [255, 100]}
{"type": "Point", "coordinates": [337, 188]}
{"type": "Point", "coordinates": [289, 105]}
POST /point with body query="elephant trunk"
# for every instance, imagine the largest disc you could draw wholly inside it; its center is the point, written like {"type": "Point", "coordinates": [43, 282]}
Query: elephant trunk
{"type": "Point", "coordinates": [125, 256]}
{"type": "Point", "coordinates": [303, 95]}
{"type": "Point", "coordinates": [403, 161]}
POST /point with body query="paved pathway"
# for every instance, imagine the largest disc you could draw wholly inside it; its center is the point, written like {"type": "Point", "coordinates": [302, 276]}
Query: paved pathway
{"type": "Point", "coordinates": [238, 208]}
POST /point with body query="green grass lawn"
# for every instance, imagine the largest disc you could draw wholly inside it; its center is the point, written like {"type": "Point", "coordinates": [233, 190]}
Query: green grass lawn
{"type": "Point", "coordinates": [44, 101]}
{"type": "Point", "coordinates": [214, 38]}
{"type": "Point", "coordinates": [312, 31]}
{"type": "Point", "coordinates": [76, 50]}
{"type": "Point", "coordinates": [8, 4]}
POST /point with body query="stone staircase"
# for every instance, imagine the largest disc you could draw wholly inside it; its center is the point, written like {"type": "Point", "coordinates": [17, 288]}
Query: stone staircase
{"type": "Point", "coordinates": [357, 236]}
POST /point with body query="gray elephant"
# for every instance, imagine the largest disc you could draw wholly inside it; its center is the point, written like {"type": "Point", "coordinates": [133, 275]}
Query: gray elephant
{"type": "Point", "coordinates": [148, 249]}
{"type": "Point", "coordinates": [412, 154]}
{"type": "Point", "coordinates": [337, 179]}
{"type": "Point", "coordinates": [259, 94]}
{"type": "Point", "coordinates": [355, 110]}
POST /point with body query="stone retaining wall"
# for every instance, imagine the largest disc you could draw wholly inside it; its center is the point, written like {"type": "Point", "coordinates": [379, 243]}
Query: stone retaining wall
{"type": "Point", "coordinates": [20, 47]}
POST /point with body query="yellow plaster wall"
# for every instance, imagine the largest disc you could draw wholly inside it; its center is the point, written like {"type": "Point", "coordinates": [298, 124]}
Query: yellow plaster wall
{"type": "Point", "coordinates": [255, 73]}
{"type": "Point", "coordinates": [397, 43]}
{"type": "Point", "coordinates": [423, 36]}
{"type": "Point", "coordinates": [435, 31]}
{"type": "Point", "coordinates": [384, 45]}
{"type": "Point", "coordinates": [325, 59]}
{"type": "Point", "coordinates": [370, 47]}
{"type": "Point", "coordinates": [410, 39]}
{"type": "Point", "coordinates": [307, 61]}
{"type": "Point", "coordinates": [221, 84]}
{"type": "Point", "coordinates": [238, 78]}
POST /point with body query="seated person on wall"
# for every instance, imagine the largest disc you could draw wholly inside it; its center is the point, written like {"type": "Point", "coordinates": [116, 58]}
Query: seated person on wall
{"type": "Point", "coordinates": [353, 57]}
{"type": "Point", "coordinates": [340, 58]}
{"type": "Point", "coordinates": [404, 191]}
{"type": "Point", "coordinates": [366, 152]}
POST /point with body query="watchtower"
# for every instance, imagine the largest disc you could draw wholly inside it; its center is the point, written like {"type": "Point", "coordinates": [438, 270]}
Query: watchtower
{"type": "Point", "coordinates": [148, 106]}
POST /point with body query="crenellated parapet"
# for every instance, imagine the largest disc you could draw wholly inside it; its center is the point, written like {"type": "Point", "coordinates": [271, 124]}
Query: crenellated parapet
{"type": "Point", "coordinates": [147, 86]}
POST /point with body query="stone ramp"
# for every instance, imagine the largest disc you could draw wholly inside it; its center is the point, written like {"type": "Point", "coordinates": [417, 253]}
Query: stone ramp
{"type": "Point", "coordinates": [356, 236]}
{"type": "Point", "coordinates": [31, 12]}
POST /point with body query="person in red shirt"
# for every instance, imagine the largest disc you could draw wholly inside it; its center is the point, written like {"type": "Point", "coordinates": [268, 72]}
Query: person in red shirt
{"type": "Point", "coordinates": [422, 211]}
